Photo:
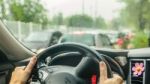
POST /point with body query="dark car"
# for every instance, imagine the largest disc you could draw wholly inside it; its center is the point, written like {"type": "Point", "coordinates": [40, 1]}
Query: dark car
{"type": "Point", "coordinates": [94, 39]}
{"type": "Point", "coordinates": [113, 35]}
{"type": "Point", "coordinates": [43, 39]}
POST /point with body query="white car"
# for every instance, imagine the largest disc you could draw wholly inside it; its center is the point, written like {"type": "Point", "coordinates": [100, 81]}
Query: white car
{"type": "Point", "coordinates": [94, 39]}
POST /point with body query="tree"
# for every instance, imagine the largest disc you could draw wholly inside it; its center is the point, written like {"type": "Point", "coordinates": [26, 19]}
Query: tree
{"type": "Point", "coordinates": [80, 21]}
{"type": "Point", "coordinates": [136, 13]}
{"type": "Point", "coordinates": [28, 11]}
{"type": "Point", "coordinates": [100, 23]}
{"type": "Point", "coordinates": [140, 40]}
{"type": "Point", "coordinates": [3, 9]}
{"type": "Point", "coordinates": [116, 23]}
{"type": "Point", "coordinates": [58, 19]}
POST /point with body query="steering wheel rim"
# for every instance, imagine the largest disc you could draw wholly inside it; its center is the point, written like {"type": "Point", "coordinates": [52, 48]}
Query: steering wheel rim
{"type": "Point", "coordinates": [85, 50]}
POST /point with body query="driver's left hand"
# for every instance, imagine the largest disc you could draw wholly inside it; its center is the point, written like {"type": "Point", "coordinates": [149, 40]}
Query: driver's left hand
{"type": "Point", "coordinates": [21, 74]}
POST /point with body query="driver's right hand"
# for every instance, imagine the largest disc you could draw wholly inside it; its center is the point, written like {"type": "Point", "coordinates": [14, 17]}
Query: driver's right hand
{"type": "Point", "coordinates": [103, 76]}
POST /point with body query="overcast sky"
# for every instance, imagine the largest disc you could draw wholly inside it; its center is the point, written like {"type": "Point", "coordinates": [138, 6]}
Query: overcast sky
{"type": "Point", "coordinates": [105, 8]}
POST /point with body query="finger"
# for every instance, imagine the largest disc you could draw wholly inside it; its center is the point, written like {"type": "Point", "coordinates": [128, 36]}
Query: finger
{"type": "Point", "coordinates": [31, 64]}
{"type": "Point", "coordinates": [103, 71]}
{"type": "Point", "coordinates": [118, 78]}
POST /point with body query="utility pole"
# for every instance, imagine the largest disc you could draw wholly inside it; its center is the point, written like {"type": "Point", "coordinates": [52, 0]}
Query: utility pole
{"type": "Point", "coordinates": [96, 8]}
{"type": "Point", "coordinates": [95, 13]}
{"type": "Point", "coordinates": [83, 7]}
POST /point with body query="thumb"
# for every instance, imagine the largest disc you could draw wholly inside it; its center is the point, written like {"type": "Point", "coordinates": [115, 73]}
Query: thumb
{"type": "Point", "coordinates": [103, 72]}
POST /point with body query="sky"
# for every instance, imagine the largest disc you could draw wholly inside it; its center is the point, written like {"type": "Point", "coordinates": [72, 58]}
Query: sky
{"type": "Point", "coordinates": [108, 9]}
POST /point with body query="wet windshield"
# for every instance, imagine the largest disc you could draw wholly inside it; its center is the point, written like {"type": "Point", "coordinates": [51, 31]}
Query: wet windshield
{"type": "Point", "coordinates": [37, 37]}
{"type": "Point", "coordinates": [124, 23]}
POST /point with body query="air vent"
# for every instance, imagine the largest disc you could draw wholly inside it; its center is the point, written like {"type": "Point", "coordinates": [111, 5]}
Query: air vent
{"type": "Point", "coordinates": [137, 72]}
{"type": "Point", "coordinates": [147, 75]}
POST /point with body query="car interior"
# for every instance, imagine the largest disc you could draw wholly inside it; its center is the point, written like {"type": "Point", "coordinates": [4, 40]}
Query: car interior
{"type": "Point", "coordinates": [71, 63]}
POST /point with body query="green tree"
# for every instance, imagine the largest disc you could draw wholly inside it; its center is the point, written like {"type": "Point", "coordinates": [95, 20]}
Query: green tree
{"type": "Point", "coordinates": [116, 23]}
{"type": "Point", "coordinates": [136, 13]}
{"type": "Point", "coordinates": [28, 11]}
{"type": "Point", "coordinates": [140, 40]}
{"type": "Point", "coordinates": [80, 21]}
{"type": "Point", "coordinates": [3, 10]}
{"type": "Point", "coordinates": [100, 23]}
{"type": "Point", "coordinates": [58, 19]}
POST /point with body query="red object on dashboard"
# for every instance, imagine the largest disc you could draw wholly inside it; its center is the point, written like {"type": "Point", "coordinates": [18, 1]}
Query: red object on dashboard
{"type": "Point", "coordinates": [93, 79]}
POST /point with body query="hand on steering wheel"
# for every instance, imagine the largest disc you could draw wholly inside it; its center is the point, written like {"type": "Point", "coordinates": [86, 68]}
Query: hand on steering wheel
{"type": "Point", "coordinates": [74, 75]}
{"type": "Point", "coordinates": [103, 76]}
{"type": "Point", "coordinates": [20, 75]}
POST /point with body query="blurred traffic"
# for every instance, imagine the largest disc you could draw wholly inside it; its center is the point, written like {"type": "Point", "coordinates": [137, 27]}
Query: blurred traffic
{"type": "Point", "coordinates": [39, 26]}
{"type": "Point", "coordinates": [39, 40]}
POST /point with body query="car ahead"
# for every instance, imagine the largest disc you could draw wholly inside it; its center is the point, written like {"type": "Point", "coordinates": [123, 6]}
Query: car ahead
{"type": "Point", "coordinates": [113, 35]}
{"type": "Point", "coordinates": [93, 39]}
{"type": "Point", "coordinates": [72, 63]}
{"type": "Point", "coordinates": [42, 39]}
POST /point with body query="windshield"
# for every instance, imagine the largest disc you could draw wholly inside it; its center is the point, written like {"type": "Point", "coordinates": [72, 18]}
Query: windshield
{"type": "Point", "coordinates": [87, 39]}
{"type": "Point", "coordinates": [38, 37]}
{"type": "Point", "coordinates": [125, 22]}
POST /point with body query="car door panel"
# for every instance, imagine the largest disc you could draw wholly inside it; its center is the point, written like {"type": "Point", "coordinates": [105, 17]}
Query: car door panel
{"type": "Point", "coordinates": [5, 67]}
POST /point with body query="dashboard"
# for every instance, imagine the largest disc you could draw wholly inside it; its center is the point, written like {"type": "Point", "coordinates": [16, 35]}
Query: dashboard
{"type": "Point", "coordinates": [135, 63]}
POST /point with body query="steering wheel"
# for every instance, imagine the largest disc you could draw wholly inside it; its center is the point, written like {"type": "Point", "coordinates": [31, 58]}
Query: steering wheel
{"type": "Point", "coordinates": [64, 74]}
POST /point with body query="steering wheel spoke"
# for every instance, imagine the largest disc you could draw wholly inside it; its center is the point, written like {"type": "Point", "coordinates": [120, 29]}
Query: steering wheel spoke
{"type": "Point", "coordinates": [87, 67]}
